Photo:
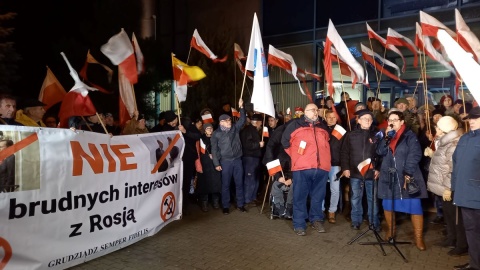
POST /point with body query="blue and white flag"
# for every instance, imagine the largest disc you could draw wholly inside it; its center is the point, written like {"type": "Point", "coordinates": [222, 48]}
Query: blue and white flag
{"type": "Point", "coordinates": [256, 61]}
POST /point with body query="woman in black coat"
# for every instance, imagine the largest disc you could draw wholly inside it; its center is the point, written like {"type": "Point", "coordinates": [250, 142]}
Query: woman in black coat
{"type": "Point", "coordinates": [401, 156]}
{"type": "Point", "coordinates": [209, 181]}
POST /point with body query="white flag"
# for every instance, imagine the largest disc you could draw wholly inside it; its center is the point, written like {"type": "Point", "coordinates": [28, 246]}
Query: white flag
{"type": "Point", "coordinates": [256, 61]}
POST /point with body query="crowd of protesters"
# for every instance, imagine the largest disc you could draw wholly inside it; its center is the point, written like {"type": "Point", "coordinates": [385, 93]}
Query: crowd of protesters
{"type": "Point", "coordinates": [378, 161]}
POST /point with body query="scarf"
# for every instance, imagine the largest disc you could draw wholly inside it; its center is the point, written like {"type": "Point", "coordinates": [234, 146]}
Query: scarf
{"type": "Point", "coordinates": [394, 141]}
{"type": "Point", "coordinates": [222, 128]}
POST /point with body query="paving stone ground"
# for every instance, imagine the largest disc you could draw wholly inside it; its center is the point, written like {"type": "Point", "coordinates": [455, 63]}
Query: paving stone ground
{"type": "Point", "coordinates": [253, 241]}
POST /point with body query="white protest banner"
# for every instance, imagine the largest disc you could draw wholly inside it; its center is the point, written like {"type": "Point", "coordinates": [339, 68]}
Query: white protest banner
{"type": "Point", "coordinates": [76, 195]}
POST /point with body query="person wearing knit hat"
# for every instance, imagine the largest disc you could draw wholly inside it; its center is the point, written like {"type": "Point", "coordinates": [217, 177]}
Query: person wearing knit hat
{"type": "Point", "coordinates": [439, 183]}
{"type": "Point", "coordinates": [411, 119]}
{"type": "Point", "coordinates": [447, 124]}
{"type": "Point", "coordinates": [360, 106]}
{"type": "Point", "coordinates": [298, 112]}
{"type": "Point", "coordinates": [436, 115]}
{"type": "Point", "coordinates": [402, 104]}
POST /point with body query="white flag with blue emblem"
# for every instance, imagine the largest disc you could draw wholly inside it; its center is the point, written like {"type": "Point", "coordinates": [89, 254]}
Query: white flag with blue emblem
{"type": "Point", "coordinates": [257, 62]}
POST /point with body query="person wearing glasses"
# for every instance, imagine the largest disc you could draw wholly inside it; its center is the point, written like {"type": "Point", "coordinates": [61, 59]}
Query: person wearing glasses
{"type": "Point", "coordinates": [305, 140]}
{"type": "Point", "coordinates": [401, 154]}
{"type": "Point", "coordinates": [227, 157]}
{"type": "Point", "coordinates": [357, 148]}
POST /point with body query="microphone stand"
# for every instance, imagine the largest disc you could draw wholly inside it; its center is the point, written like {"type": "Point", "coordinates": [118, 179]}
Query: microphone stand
{"type": "Point", "coordinates": [391, 241]}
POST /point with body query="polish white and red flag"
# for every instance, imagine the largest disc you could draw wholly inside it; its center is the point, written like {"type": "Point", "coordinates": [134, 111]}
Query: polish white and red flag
{"type": "Point", "coordinates": [76, 102]}
{"type": "Point", "coordinates": [274, 167]}
{"type": "Point", "coordinates": [430, 26]}
{"type": "Point", "coordinates": [424, 42]}
{"type": "Point", "coordinates": [235, 113]}
{"type": "Point", "coordinates": [466, 66]}
{"type": "Point", "coordinates": [466, 38]}
{"type": "Point", "coordinates": [239, 57]}
{"type": "Point", "coordinates": [265, 132]}
{"type": "Point", "coordinates": [207, 118]}
{"type": "Point", "coordinates": [334, 39]}
{"type": "Point", "coordinates": [371, 57]}
{"type": "Point", "coordinates": [374, 35]}
{"type": "Point", "coordinates": [338, 132]}
{"type": "Point", "coordinates": [397, 39]}
{"type": "Point", "coordinates": [364, 166]}
{"type": "Point", "coordinates": [200, 46]}
{"type": "Point", "coordinates": [126, 101]}
{"type": "Point", "coordinates": [120, 51]}
{"type": "Point", "coordinates": [138, 55]}
{"type": "Point", "coordinates": [203, 147]}
{"type": "Point", "coordinates": [313, 75]}
{"type": "Point", "coordinates": [284, 61]}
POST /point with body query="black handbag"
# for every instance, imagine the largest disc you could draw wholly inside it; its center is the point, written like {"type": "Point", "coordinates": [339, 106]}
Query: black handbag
{"type": "Point", "coordinates": [412, 187]}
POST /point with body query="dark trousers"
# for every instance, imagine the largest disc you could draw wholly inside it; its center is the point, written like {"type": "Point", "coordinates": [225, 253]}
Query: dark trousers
{"type": "Point", "coordinates": [232, 168]}
{"type": "Point", "coordinates": [250, 179]}
{"type": "Point", "coordinates": [455, 232]}
{"type": "Point", "coordinates": [471, 221]}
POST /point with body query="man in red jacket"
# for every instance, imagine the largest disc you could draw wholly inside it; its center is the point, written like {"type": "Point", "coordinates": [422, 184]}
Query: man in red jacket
{"type": "Point", "coordinates": [306, 142]}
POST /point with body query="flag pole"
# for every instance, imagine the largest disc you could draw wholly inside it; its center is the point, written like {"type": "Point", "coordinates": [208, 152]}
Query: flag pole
{"type": "Point", "coordinates": [374, 66]}
{"type": "Point", "coordinates": [263, 125]}
{"type": "Point", "coordinates": [101, 122]}
{"type": "Point", "coordinates": [84, 120]}
{"type": "Point", "coordinates": [134, 99]}
{"type": "Point", "coordinates": [235, 74]}
{"type": "Point", "coordinates": [463, 101]}
{"type": "Point", "coordinates": [188, 57]}
{"type": "Point", "coordinates": [379, 78]}
{"type": "Point", "coordinates": [344, 98]}
{"type": "Point", "coordinates": [243, 84]}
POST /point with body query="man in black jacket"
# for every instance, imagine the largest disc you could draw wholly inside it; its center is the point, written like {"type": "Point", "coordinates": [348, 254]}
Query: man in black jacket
{"type": "Point", "coordinates": [8, 107]}
{"type": "Point", "coordinates": [227, 154]}
{"type": "Point", "coordinates": [252, 145]}
{"type": "Point", "coordinates": [357, 157]}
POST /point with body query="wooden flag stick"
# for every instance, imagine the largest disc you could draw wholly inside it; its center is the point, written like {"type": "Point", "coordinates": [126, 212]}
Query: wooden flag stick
{"type": "Point", "coordinates": [266, 191]}
{"type": "Point", "coordinates": [344, 98]}
{"type": "Point", "coordinates": [101, 122]}
{"type": "Point", "coordinates": [263, 125]}
{"type": "Point", "coordinates": [243, 84]}
{"type": "Point", "coordinates": [86, 123]}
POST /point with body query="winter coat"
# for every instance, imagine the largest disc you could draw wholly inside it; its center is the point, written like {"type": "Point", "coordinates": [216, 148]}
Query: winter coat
{"type": "Point", "coordinates": [358, 145]}
{"type": "Point", "coordinates": [441, 165]}
{"type": "Point", "coordinates": [407, 156]}
{"type": "Point", "coordinates": [226, 145]}
{"type": "Point", "coordinates": [335, 147]}
{"type": "Point", "coordinates": [316, 154]}
{"type": "Point", "coordinates": [210, 180]}
{"type": "Point", "coordinates": [250, 138]}
{"type": "Point", "coordinates": [465, 176]}
{"type": "Point", "coordinates": [27, 121]}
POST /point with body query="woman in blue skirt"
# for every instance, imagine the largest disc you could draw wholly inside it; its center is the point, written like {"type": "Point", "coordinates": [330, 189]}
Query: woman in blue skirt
{"type": "Point", "coordinates": [401, 153]}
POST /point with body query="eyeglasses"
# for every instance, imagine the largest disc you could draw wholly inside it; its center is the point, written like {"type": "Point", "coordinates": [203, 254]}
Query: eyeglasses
{"type": "Point", "coordinates": [227, 120]}
{"type": "Point", "coordinates": [393, 120]}
{"type": "Point", "coordinates": [314, 110]}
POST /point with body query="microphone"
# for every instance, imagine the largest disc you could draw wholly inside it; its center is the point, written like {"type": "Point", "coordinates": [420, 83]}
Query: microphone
{"type": "Point", "coordinates": [390, 135]}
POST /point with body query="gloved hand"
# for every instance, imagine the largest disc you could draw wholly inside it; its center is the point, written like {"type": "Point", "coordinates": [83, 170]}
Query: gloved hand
{"type": "Point", "coordinates": [428, 152]}
{"type": "Point", "coordinates": [447, 195]}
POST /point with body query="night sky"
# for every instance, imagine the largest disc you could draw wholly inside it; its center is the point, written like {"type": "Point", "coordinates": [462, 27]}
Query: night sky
{"type": "Point", "coordinates": [45, 28]}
